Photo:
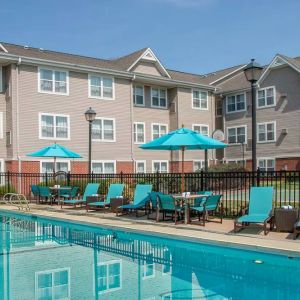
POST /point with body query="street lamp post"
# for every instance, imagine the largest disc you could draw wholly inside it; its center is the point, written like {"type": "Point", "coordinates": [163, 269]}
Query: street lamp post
{"type": "Point", "coordinates": [90, 116]}
{"type": "Point", "coordinates": [252, 72]}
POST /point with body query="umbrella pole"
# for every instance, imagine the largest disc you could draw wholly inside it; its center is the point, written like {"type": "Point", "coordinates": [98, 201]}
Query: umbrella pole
{"type": "Point", "coordinates": [205, 160]}
{"type": "Point", "coordinates": [54, 170]}
{"type": "Point", "coordinates": [182, 170]}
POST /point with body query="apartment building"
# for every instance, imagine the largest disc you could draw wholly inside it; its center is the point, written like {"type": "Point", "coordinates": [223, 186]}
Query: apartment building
{"type": "Point", "coordinates": [44, 94]}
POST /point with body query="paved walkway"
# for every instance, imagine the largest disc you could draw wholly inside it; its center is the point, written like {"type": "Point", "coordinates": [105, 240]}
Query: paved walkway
{"type": "Point", "coordinates": [250, 238]}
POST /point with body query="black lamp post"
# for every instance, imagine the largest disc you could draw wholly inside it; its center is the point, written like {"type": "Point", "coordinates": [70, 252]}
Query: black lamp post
{"type": "Point", "coordinates": [252, 72]}
{"type": "Point", "coordinates": [90, 116]}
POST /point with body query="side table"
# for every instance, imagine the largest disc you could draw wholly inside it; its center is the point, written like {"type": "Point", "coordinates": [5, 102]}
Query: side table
{"type": "Point", "coordinates": [285, 219]}
{"type": "Point", "coordinates": [116, 202]}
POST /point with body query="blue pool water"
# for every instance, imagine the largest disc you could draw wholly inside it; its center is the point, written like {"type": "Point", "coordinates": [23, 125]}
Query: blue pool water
{"type": "Point", "coordinates": [47, 259]}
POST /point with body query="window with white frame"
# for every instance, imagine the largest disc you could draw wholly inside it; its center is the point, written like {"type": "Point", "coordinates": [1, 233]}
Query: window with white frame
{"type": "Point", "coordinates": [200, 99]}
{"type": "Point", "coordinates": [140, 166]}
{"type": "Point", "coordinates": [266, 97]}
{"type": "Point", "coordinates": [266, 132]}
{"type": "Point", "coordinates": [101, 87]}
{"type": "Point", "coordinates": [52, 284]}
{"type": "Point", "coordinates": [53, 81]}
{"type": "Point", "coordinates": [158, 97]}
{"type": "Point", "coordinates": [235, 103]}
{"type": "Point", "coordinates": [104, 167]}
{"type": "Point", "coordinates": [160, 166]}
{"type": "Point", "coordinates": [158, 130]}
{"type": "Point", "coordinates": [109, 276]}
{"type": "Point", "coordinates": [198, 165]}
{"type": "Point", "coordinates": [54, 126]}
{"type": "Point", "coordinates": [201, 128]}
{"type": "Point", "coordinates": [139, 133]}
{"type": "Point", "coordinates": [1, 125]}
{"type": "Point", "coordinates": [138, 95]}
{"type": "Point", "coordinates": [266, 164]}
{"type": "Point", "coordinates": [237, 135]}
{"type": "Point", "coordinates": [60, 166]}
{"type": "Point", "coordinates": [103, 129]}
{"type": "Point", "coordinates": [148, 267]}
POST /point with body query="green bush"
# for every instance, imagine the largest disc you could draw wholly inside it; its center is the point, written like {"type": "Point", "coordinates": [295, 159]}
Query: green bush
{"type": "Point", "coordinates": [8, 188]}
{"type": "Point", "coordinates": [227, 168]}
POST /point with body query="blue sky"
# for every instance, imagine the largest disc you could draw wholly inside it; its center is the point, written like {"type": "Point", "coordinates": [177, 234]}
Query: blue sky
{"type": "Point", "coordinates": [196, 36]}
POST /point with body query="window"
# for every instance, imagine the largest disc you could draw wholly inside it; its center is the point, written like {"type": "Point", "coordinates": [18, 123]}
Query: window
{"type": "Point", "coordinates": [200, 100]}
{"type": "Point", "coordinates": [139, 133]}
{"type": "Point", "coordinates": [266, 164]}
{"type": "Point", "coordinates": [202, 129]}
{"type": "Point", "coordinates": [104, 167]}
{"type": "Point", "coordinates": [60, 166]}
{"type": "Point", "coordinates": [235, 103]}
{"type": "Point", "coordinates": [167, 296]}
{"type": "Point", "coordinates": [159, 130]}
{"type": "Point", "coordinates": [266, 97]}
{"type": "Point", "coordinates": [236, 135]}
{"type": "Point", "coordinates": [160, 166]}
{"type": "Point", "coordinates": [109, 276]}
{"type": "Point", "coordinates": [148, 266]}
{"type": "Point", "coordinates": [140, 166]}
{"type": "Point", "coordinates": [219, 108]}
{"type": "Point", "coordinates": [53, 81]}
{"type": "Point", "coordinates": [138, 95]}
{"type": "Point", "coordinates": [103, 129]}
{"type": "Point", "coordinates": [158, 97]}
{"type": "Point", "coordinates": [266, 132]}
{"type": "Point", "coordinates": [54, 126]}
{"type": "Point", "coordinates": [198, 165]}
{"type": "Point", "coordinates": [167, 266]}
{"type": "Point", "coordinates": [53, 284]}
{"type": "Point", "coordinates": [1, 125]}
{"type": "Point", "coordinates": [101, 87]}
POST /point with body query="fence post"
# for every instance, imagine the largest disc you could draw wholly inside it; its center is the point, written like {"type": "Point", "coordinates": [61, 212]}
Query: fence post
{"type": "Point", "coordinates": [157, 181]}
{"type": "Point", "coordinates": [201, 180]}
{"type": "Point", "coordinates": [121, 176]}
{"type": "Point", "coordinates": [258, 177]}
{"type": "Point", "coordinates": [68, 178]}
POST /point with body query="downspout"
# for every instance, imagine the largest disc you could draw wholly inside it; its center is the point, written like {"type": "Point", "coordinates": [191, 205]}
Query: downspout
{"type": "Point", "coordinates": [17, 122]}
{"type": "Point", "coordinates": [131, 123]}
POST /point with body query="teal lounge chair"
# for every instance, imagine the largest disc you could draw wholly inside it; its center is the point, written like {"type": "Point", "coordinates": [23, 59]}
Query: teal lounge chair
{"type": "Point", "coordinates": [153, 203]}
{"type": "Point", "coordinates": [35, 192]}
{"type": "Point", "coordinates": [297, 229]}
{"type": "Point", "coordinates": [209, 205]}
{"type": "Point", "coordinates": [115, 190]}
{"type": "Point", "coordinates": [45, 193]}
{"type": "Point", "coordinates": [260, 208]}
{"type": "Point", "coordinates": [91, 189]}
{"type": "Point", "coordinates": [140, 199]}
{"type": "Point", "coordinates": [167, 204]}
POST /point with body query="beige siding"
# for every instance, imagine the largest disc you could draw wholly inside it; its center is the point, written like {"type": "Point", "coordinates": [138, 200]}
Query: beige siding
{"type": "Point", "coordinates": [147, 68]}
{"type": "Point", "coordinates": [3, 105]}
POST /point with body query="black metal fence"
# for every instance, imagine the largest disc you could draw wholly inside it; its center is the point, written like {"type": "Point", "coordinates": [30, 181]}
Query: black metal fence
{"type": "Point", "coordinates": [234, 186]}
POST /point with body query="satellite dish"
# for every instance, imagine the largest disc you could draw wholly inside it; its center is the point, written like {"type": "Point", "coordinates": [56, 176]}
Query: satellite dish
{"type": "Point", "coordinates": [218, 134]}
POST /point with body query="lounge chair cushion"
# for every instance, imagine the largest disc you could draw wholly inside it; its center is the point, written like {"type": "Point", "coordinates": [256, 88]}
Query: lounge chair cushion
{"type": "Point", "coordinates": [254, 218]}
{"type": "Point", "coordinates": [73, 201]}
{"type": "Point", "coordinates": [98, 203]}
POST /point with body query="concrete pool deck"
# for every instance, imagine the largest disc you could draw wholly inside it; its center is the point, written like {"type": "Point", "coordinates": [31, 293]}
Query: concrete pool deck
{"type": "Point", "coordinates": [251, 238]}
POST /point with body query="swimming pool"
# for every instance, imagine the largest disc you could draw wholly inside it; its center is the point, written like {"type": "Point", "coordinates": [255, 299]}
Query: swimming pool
{"type": "Point", "coordinates": [49, 259]}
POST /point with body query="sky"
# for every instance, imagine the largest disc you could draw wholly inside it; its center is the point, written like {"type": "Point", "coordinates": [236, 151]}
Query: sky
{"type": "Point", "coordinates": [198, 36]}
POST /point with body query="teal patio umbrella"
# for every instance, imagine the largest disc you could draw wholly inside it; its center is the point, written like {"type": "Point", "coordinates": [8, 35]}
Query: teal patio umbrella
{"type": "Point", "coordinates": [183, 139]}
{"type": "Point", "coordinates": [55, 151]}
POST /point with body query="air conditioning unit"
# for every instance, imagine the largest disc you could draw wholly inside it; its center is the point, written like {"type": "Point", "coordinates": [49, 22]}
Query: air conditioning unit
{"type": "Point", "coordinates": [284, 131]}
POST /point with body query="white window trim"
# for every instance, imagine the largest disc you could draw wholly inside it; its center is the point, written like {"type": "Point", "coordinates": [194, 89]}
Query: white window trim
{"type": "Point", "coordinates": [236, 111]}
{"type": "Point", "coordinates": [115, 130]}
{"type": "Point", "coordinates": [201, 125]}
{"type": "Point", "coordinates": [200, 91]}
{"type": "Point", "coordinates": [57, 161]}
{"type": "Point", "coordinates": [54, 138]}
{"type": "Point", "coordinates": [265, 89]}
{"type": "Point", "coordinates": [144, 277]}
{"type": "Point", "coordinates": [267, 158]}
{"type": "Point", "coordinates": [158, 124]}
{"type": "Point", "coordinates": [238, 126]}
{"type": "Point", "coordinates": [140, 161]}
{"type": "Point", "coordinates": [257, 133]}
{"type": "Point", "coordinates": [101, 76]}
{"type": "Point", "coordinates": [139, 123]}
{"type": "Point", "coordinates": [199, 160]}
{"type": "Point", "coordinates": [105, 161]}
{"type": "Point", "coordinates": [1, 125]}
{"type": "Point", "coordinates": [158, 106]}
{"type": "Point", "coordinates": [160, 161]}
{"type": "Point", "coordinates": [107, 263]}
{"type": "Point", "coordinates": [53, 70]}
{"type": "Point", "coordinates": [52, 271]}
{"type": "Point", "coordinates": [134, 102]}
{"type": "Point", "coordinates": [1, 79]}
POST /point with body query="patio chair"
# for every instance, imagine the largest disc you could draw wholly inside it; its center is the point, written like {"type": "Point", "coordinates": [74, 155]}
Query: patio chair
{"type": "Point", "coordinates": [152, 207]}
{"type": "Point", "coordinates": [91, 189]}
{"type": "Point", "coordinates": [260, 209]}
{"type": "Point", "coordinates": [45, 192]}
{"type": "Point", "coordinates": [35, 192]}
{"type": "Point", "coordinates": [209, 205]}
{"type": "Point", "coordinates": [115, 190]}
{"type": "Point", "coordinates": [167, 204]}
{"type": "Point", "coordinates": [297, 229]}
{"type": "Point", "coordinates": [70, 194]}
{"type": "Point", "coordinates": [140, 199]}
{"type": "Point", "coordinates": [198, 201]}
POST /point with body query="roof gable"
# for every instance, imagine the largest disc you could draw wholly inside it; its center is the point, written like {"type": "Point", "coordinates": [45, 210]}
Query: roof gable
{"type": "Point", "coordinates": [2, 48]}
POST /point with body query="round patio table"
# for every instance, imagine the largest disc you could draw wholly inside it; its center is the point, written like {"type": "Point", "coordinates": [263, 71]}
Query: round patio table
{"type": "Point", "coordinates": [186, 200]}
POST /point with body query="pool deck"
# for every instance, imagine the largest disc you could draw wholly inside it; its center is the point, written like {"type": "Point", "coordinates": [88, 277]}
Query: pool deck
{"type": "Point", "coordinates": [250, 238]}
